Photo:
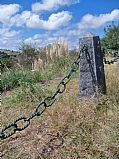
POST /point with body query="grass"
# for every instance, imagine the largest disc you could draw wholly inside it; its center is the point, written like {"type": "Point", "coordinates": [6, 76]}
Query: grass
{"type": "Point", "coordinates": [112, 78]}
{"type": "Point", "coordinates": [71, 129]}
{"type": "Point", "coordinates": [31, 92]}
{"type": "Point", "coordinates": [14, 78]}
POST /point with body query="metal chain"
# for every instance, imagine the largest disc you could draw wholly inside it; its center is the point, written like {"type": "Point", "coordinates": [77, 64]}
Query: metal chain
{"type": "Point", "coordinates": [111, 61]}
{"type": "Point", "coordinates": [11, 128]}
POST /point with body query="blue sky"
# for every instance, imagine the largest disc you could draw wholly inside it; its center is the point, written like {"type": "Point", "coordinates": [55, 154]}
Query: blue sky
{"type": "Point", "coordinates": [41, 22]}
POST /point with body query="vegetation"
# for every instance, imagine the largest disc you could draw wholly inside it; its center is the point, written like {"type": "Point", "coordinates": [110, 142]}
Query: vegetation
{"type": "Point", "coordinates": [27, 56]}
{"type": "Point", "coordinates": [110, 41]}
{"type": "Point", "coordinates": [7, 63]}
{"type": "Point", "coordinates": [71, 128]}
{"type": "Point", "coordinates": [28, 92]}
{"type": "Point", "coordinates": [17, 77]}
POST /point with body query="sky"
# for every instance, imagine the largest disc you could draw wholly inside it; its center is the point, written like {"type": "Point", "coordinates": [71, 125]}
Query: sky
{"type": "Point", "coordinates": [40, 22]}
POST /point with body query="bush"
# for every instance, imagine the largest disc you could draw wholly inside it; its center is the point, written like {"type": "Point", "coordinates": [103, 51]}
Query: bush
{"type": "Point", "coordinates": [6, 63]}
{"type": "Point", "coordinates": [110, 41]}
{"type": "Point", "coordinates": [15, 77]}
{"type": "Point", "coordinates": [27, 56]}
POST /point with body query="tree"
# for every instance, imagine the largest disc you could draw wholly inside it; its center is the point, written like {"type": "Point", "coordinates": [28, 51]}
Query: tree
{"type": "Point", "coordinates": [27, 56]}
{"type": "Point", "coordinates": [110, 41]}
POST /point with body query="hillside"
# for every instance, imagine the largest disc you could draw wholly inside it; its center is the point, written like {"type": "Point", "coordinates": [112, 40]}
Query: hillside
{"type": "Point", "coordinates": [9, 52]}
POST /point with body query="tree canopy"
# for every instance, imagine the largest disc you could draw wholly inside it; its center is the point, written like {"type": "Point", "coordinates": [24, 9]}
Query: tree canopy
{"type": "Point", "coordinates": [28, 54]}
{"type": "Point", "coordinates": [110, 41]}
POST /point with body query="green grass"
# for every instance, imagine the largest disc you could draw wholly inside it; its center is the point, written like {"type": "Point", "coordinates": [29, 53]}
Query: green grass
{"type": "Point", "coordinates": [30, 92]}
{"type": "Point", "coordinates": [14, 78]}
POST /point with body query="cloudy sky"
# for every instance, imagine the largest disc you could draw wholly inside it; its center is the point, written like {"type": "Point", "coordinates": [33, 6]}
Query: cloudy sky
{"type": "Point", "coordinates": [43, 21]}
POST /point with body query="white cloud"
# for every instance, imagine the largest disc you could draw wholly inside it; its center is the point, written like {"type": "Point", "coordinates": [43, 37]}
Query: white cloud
{"type": "Point", "coordinates": [7, 11]}
{"type": "Point", "coordinates": [20, 19]}
{"type": "Point", "coordinates": [90, 21]}
{"type": "Point", "coordinates": [36, 39]}
{"type": "Point", "coordinates": [67, 34]}
{"type": "Point", "coordinates": [40, 40]}
{"type": "Point", "coordinates": [9, 39]}
{"type": "Point", "coordinates": [48, 5]}
{"type": "Point", "coordinates": [10, 18]}
{"type": "Point", "coordinates": [54, 21]}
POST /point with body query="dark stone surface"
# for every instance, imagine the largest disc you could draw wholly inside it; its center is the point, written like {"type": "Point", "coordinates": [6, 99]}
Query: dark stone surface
{"type": "Point", "coordinates": [91, 68]}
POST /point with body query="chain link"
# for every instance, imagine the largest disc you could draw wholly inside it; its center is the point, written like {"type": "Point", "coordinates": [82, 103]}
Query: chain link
{"type": "Point", "coordinates": [111, 61]}
{"type": "Point", "coordinates": [11, 128]}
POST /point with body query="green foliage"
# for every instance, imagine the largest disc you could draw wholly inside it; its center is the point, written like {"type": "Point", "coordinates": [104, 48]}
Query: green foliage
{"type": "Point", "coordinates": [28, 92]}
{"type": "Point", "coordinates": [27, 56]}
{"type": "Point", "coordinates": [16, 77]}
{"type": "Point", "coordinates": [111, 39]}
{"type": "Point", "coordinates": [60, 65]}
{"type": "Point", "coordinates": [7, 63]}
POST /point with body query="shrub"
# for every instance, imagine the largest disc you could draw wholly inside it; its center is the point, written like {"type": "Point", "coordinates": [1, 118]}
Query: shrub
{"type": "Point", "coordinates": [16, 77]}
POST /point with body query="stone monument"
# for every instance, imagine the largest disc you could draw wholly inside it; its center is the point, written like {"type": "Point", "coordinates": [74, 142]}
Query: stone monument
{"type": "Point", "coordinates": [91, 68]}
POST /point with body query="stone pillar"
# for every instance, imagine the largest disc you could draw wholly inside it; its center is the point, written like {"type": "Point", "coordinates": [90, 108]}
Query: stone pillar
{"type": "Point", "coordinates": [91, 68]}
